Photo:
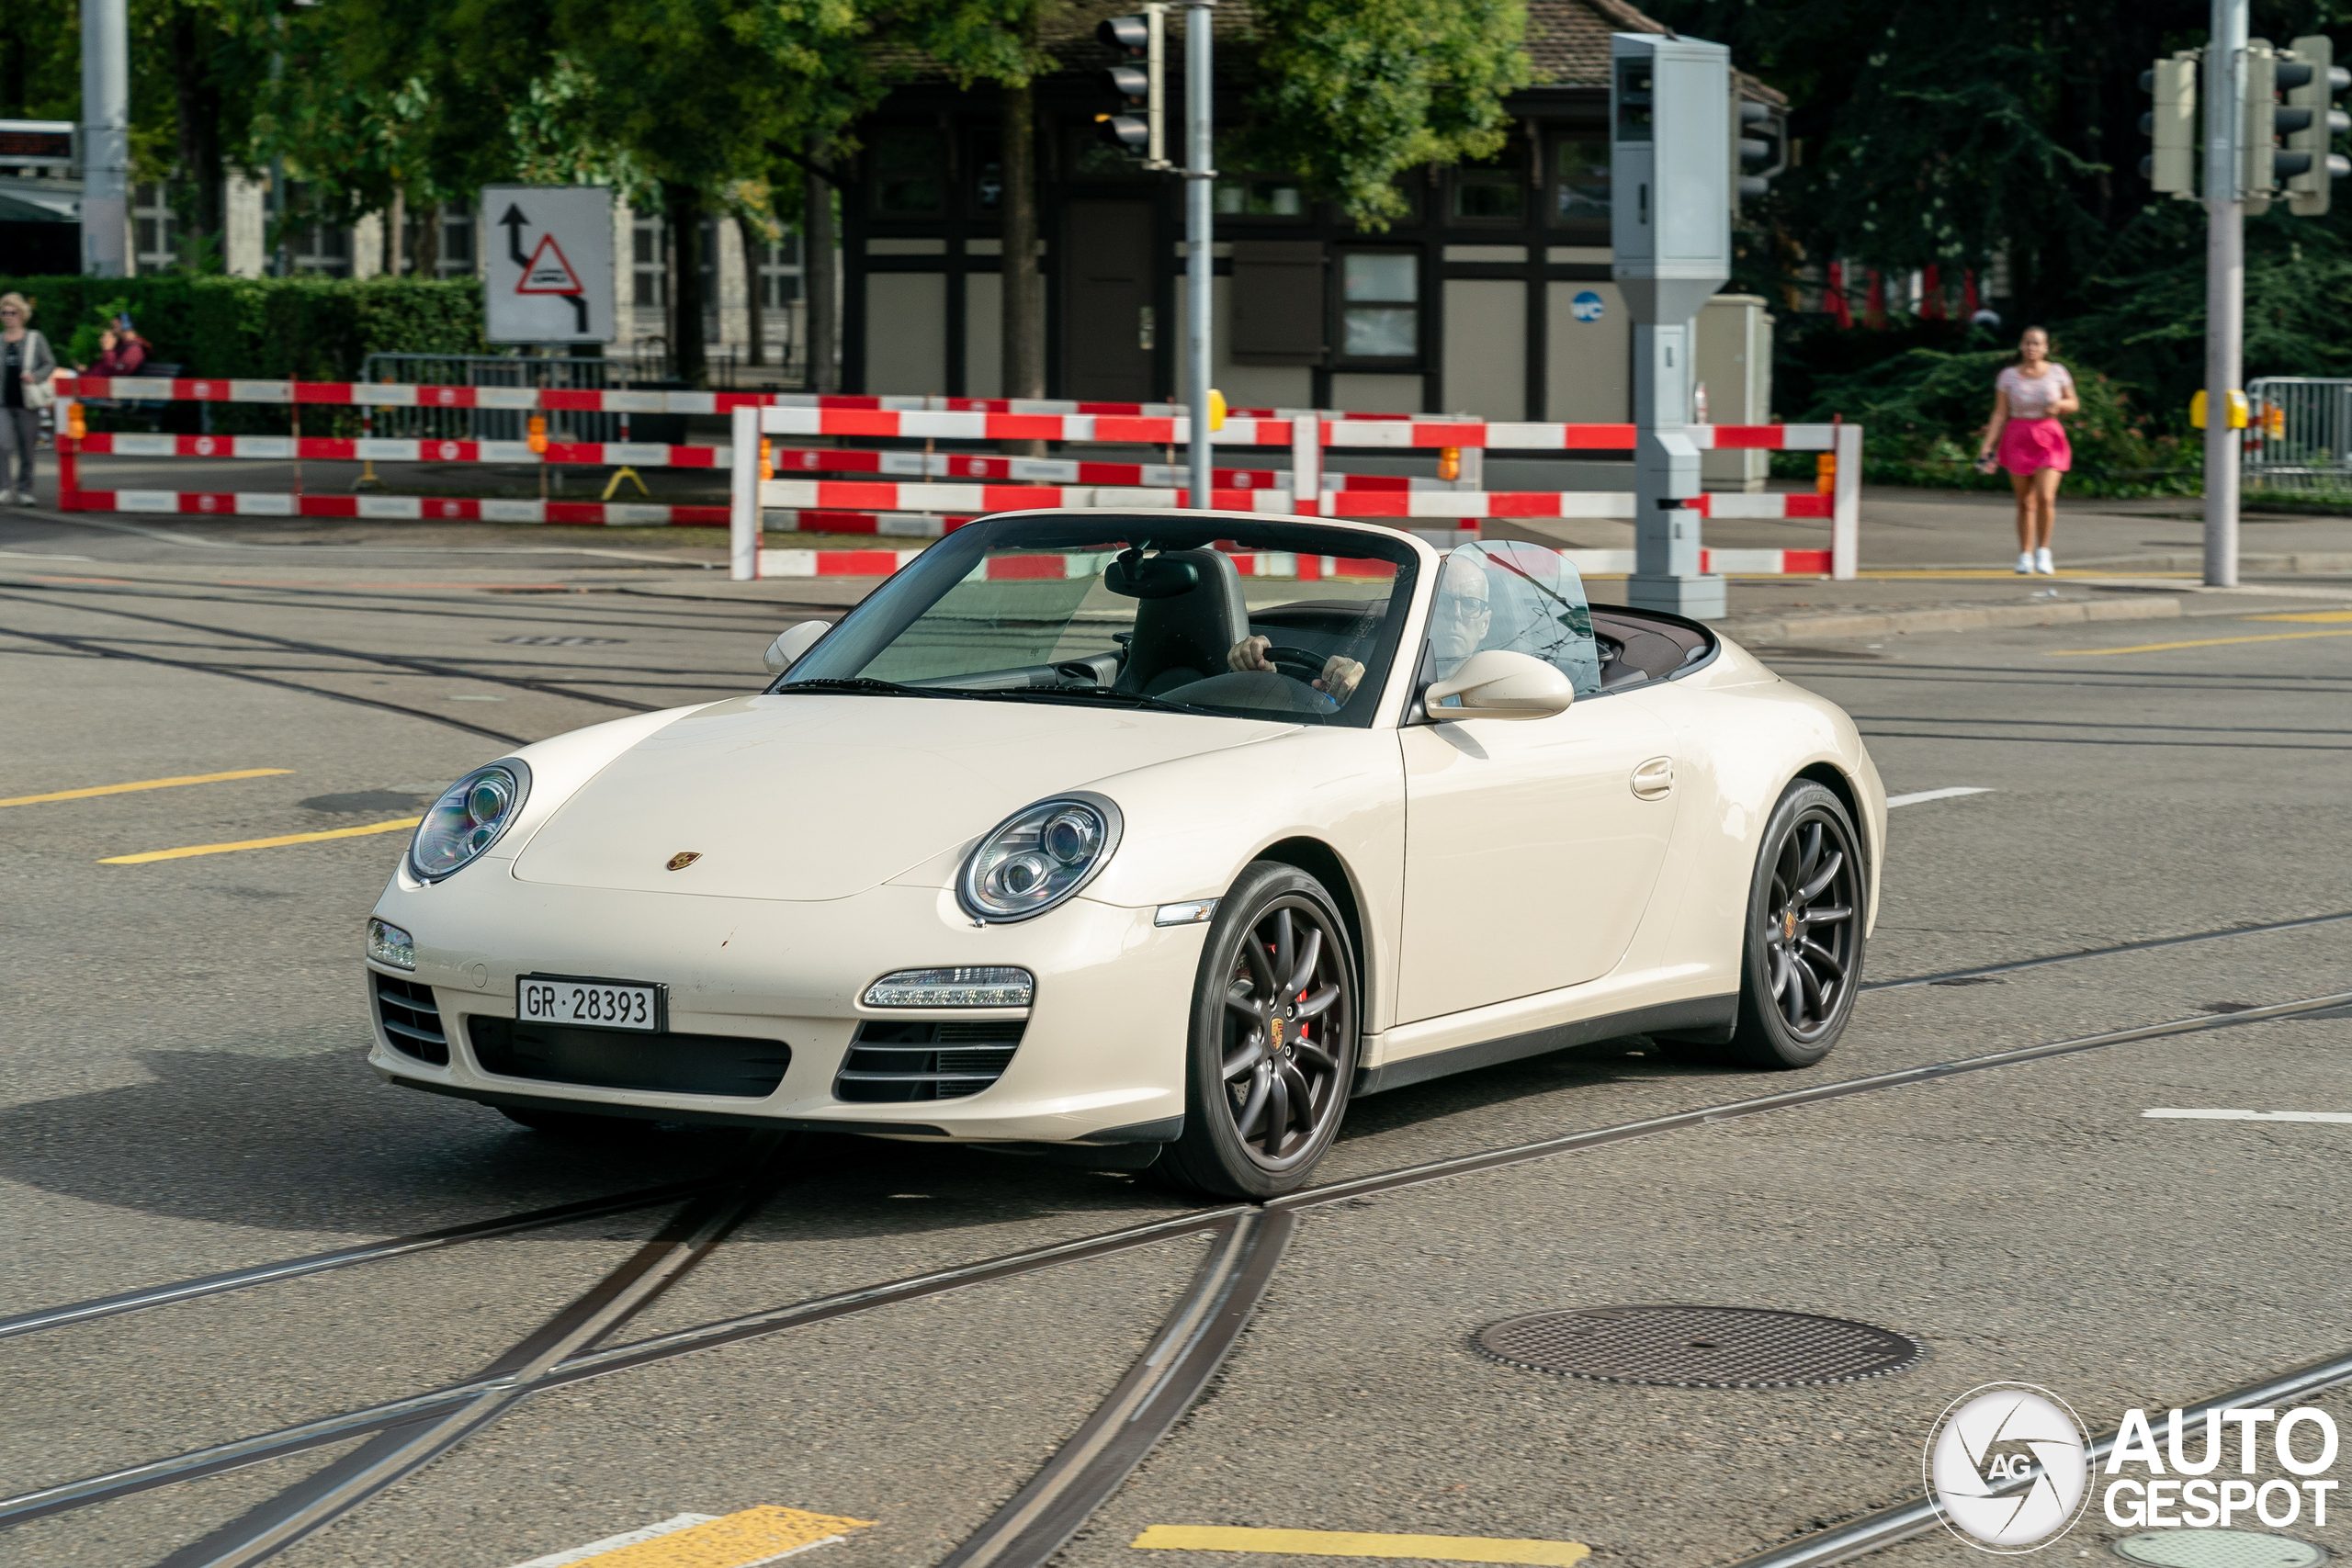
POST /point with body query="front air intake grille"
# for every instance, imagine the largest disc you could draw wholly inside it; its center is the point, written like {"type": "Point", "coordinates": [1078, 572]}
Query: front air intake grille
{"type": "Point", "coordinates": [412, 1023]}
{"type": "Point", "coordinates": [621, 1059]}
{"type": "Point", "coordinates": [894, 1061]}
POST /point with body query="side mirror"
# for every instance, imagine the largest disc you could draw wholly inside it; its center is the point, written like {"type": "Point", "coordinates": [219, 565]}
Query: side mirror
{"type": "Point", "coordinates": [791, 643]}
{"type": "Point", "coordinates": [1498, 684]}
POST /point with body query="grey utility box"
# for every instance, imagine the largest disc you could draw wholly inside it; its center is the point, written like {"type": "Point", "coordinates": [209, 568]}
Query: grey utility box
{"type": "Point", "coordinates": [1669, 106]}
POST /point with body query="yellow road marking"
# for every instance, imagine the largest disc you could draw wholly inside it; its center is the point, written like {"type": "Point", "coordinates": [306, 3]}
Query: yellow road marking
{"type": "Point", "coordinates": [2201, 642]}
{"type": "Point", "coordinates": [262, 844]}
{"type": "Point", "coordinates": [1353, 1543]}
{"type": "Point", "coordinates": [2298, 615]}
{"type": "Point", "coordinates": [731, 1541]}
{"type": "Point", "coordinates": [142, 784]}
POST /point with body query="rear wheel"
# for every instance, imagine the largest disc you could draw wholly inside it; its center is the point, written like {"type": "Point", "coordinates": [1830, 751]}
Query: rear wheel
{"type": "Point", "coordinates": [1273, 1039]}
{"type": "Point", "coordinates": [1803, 957]}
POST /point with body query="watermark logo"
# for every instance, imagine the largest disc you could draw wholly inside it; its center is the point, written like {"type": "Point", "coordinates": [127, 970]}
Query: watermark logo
{"type": "Point", "coordinates": [2008, 1467]}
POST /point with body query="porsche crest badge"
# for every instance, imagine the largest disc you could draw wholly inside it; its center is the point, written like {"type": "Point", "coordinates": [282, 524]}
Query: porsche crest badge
{"type": "Point", "coordinates": [682, 859]}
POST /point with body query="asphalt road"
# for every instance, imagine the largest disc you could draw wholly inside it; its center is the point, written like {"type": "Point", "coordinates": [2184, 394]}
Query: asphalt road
{"type": "Point", "coordinates": [185, 1095]}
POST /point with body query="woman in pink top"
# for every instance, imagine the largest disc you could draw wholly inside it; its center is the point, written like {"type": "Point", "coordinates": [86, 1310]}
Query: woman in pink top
{"type": "Point", "coordinates": [2026, 438]}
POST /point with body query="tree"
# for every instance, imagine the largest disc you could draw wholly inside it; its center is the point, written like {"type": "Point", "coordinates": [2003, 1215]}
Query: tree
{"type": "Point", "coordinates": [686, 104]}
{"type": "Point", "coordinates": [1350, 94]}
{"type": "Point", "coordinates": [997, 40]}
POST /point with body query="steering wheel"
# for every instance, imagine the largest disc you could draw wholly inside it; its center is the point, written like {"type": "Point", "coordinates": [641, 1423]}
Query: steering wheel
{"type": "Point", "coordinates": [1295, 663]}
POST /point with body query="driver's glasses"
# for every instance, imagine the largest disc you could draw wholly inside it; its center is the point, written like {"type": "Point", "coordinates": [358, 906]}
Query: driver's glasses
{"type": "Point", "coordinates": [1459, 610]}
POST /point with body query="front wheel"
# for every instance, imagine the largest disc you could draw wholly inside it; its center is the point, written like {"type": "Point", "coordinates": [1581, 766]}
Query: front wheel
{"type": "Point", "coordinates": [1803, 948]}
{"type": "Point", "coordinates": [1273, 1039]}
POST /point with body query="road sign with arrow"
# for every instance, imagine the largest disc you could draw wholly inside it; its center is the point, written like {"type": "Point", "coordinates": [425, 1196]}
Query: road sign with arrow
{"type": "Point", "coordinates": [552, 281]}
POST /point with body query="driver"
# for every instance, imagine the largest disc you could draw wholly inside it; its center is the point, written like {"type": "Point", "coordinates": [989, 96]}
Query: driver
{"type": "Point", "coordinates": [1459, 616]}
{"type": "Point", "coordinates": [1458, 623]}
{"type": "Point", "coordinates": [1338, 681]}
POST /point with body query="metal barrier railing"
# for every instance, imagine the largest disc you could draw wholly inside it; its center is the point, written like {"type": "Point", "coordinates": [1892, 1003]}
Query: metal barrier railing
{"type": "Point", "coordinates": [2299, 434]}
{"type": "Point", "coordinates": [422, 422]}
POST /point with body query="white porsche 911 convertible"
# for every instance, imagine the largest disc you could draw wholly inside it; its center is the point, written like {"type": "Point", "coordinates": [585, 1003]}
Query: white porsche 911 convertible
{"type": "Point", "coordinates": [1144, 839]}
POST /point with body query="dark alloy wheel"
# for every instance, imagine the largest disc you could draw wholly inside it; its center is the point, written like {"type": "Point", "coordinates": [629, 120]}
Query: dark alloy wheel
{"type": "Point", "coordinates": [1803, 942]}
{"type": "Point", "coordinates": [1273, 1040]}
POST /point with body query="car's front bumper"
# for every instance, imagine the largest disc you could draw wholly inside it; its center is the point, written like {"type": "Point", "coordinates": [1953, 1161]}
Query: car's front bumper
{"type": "Point", "coordinates": [1101, 1056]}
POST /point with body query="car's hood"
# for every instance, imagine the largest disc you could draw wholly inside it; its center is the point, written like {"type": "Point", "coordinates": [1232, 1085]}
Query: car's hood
{"type": "Point", "coordinates": [813, 797]}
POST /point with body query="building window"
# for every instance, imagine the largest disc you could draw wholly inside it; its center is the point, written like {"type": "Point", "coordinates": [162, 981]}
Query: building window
{"type": "Point", "coordinates": [320, 249]}
{"type": "Point", "coordinates": [777, 268]}
{"type": "Point", "coordinates": [457, 257]}
{"type": "Point", "coordinates": [1260, 198]}
{"type": "Point", "coordinates": [1380, 312]}
{"type": "Point", "coordinates": [154, 241]}
{"type": "Point", "coordinates": [649, 263]}
{"type": "Point", "coordinates": [988, 173]}
{"type": "Point", "coordinates": [907, 172]}
{"type": "Point", "coordinates": [1579, 161]}
{"type": "Point", "coordinates": [1493, 192]}
{"type": "Point", "coordinates": [1092, 158]}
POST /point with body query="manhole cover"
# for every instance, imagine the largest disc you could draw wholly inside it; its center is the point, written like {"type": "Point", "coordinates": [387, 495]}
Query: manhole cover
{"type": "Point", "coordinates": [2219, 1549]}
{"type": "Point", "coordinates": [1699, 1347]}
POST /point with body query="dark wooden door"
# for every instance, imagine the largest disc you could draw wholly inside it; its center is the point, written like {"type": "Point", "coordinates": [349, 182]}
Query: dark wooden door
{"type": "Point", "coordinates": [1107, 330]}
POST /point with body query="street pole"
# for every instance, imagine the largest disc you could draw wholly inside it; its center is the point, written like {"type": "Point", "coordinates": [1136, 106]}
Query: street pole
{"type": "Point", "coordinates": [2224, 283]}
{"type": "Point", "coordinates": [105, 139]}
{"type": "Point", "coordinates": [1199, 267]}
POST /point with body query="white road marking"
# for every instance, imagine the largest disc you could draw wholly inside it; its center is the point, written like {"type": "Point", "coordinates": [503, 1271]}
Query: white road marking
{"type": "Point", "coordinates": [2253, 1115]}
{"type": "Point", "coordinates": [615, 1542]}
{"type": "Point", "coordinates": [1918, 795]}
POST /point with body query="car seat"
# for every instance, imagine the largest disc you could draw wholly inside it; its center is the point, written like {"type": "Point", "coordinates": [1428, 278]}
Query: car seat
{"type": "Point", "coordinates": [1184, 637]}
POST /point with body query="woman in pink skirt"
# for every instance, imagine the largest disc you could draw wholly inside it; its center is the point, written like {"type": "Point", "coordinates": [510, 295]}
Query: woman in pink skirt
{"type": "Point", "coordinates": [2026, 438]}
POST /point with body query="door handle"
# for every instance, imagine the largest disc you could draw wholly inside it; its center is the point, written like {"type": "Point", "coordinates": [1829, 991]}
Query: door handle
{"type": "Point", "coordinates": [1654, 780]}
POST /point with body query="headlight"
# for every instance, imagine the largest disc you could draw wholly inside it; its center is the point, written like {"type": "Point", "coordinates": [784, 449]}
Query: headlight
{"type": "Point", "coordinates": [974, 987]}
{"type": "Point", "coordinates": [1038, 857]}
{"type": "Point", "coordinates": [387, 944]}
{"type": "Point", "coordinates": [468, 819]}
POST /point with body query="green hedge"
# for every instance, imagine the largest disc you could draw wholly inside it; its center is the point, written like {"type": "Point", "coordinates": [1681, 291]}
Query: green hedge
{"type": "Point", "coordinates": [309, 329]}
{"type": "Point", "coordinates": [271, 329]}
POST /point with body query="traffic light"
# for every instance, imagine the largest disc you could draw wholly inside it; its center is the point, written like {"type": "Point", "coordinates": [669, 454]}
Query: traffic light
{"type": "Point", "coordinates": [2259, 147]}
{"type": "Point", "coordinates": [2171, 126]}
{"type": "Point", "coordinates": [1751, 124]}
{"type": "Point", "coordinates": [1140, 39]}
{"type": "Point", "coordinates": [2311, 123]}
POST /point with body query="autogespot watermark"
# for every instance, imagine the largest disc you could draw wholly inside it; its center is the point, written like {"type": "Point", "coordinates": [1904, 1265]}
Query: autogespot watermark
{"type": "Point", "coordinates": [2008, 1467]}
{"type": "Point", "coordinates": [2009, 1470]}
{"type": "Point", "coordinates": [2151, 1498]}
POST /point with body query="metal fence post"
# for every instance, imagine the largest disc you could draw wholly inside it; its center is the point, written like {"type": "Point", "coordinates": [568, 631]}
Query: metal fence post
{"type": "Point", "coordinates": [1846, 505]}
{"type": "Point", "coordinates": [743, 487]}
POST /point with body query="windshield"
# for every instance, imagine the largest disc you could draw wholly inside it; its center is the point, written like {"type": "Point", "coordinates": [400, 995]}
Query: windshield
{"type": "Point", "coordinates": [1215, 615]}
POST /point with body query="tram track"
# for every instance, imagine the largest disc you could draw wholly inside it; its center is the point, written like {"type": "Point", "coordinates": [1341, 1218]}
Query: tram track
{"type": "Point", "coordinates": [1184, 1356]}
{"type": "Point", "coordinates": [541, 1219]}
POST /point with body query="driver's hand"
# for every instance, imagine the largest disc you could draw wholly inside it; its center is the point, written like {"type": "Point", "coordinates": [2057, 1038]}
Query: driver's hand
{"type": "Point", "coordinates": [1250, 653]}
{"type": "Point", "coordinates": [1340, 677]}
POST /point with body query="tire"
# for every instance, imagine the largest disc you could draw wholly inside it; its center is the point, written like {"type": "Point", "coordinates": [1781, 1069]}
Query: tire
{"type": "Point", "coordinates": [578, 1126]}
{"type": "Point", "coordinates": [1802, 949]}
{"type": "Point", "coordinates": [1272, 1057]}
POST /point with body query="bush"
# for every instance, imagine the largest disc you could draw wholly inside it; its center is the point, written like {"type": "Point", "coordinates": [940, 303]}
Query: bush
{"type": "Point", "coordinates": [1925, 410]}
{"type": "Point", "coordinates": [267, 329]}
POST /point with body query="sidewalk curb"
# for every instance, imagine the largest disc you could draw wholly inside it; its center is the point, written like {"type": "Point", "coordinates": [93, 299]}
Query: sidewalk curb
{"type": "Point", "coordinates": [1766, 630]}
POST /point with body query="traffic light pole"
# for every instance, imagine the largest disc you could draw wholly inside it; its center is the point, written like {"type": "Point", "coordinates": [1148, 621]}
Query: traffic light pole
{"type": "Point", "coordinates": [1200, 267]}
{"type": "Point", "coordinates": [2224, 284]}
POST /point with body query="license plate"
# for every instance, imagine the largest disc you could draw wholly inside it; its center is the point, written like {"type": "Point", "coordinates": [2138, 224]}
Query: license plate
{"type": "Point", "coordinates": [600, 1004]}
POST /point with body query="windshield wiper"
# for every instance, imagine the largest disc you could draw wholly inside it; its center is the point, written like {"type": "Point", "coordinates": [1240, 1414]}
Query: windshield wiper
{"type": "Point", "coordinates": [1093, 694]}
{"type": "Point", "coordinates": [859, 684]}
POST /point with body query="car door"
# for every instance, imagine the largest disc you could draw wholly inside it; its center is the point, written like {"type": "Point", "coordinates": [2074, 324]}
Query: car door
{"type": "Point", "coordinates": [1531, 846]}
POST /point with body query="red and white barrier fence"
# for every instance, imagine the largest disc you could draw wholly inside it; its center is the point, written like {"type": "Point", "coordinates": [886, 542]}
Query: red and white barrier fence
{"type": "Point", "coordinates": [927, 508]}
{"type": "Point", "coordinates": [1304, 490]}
{"type": "Point", "coordinates": [1272, 564]}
